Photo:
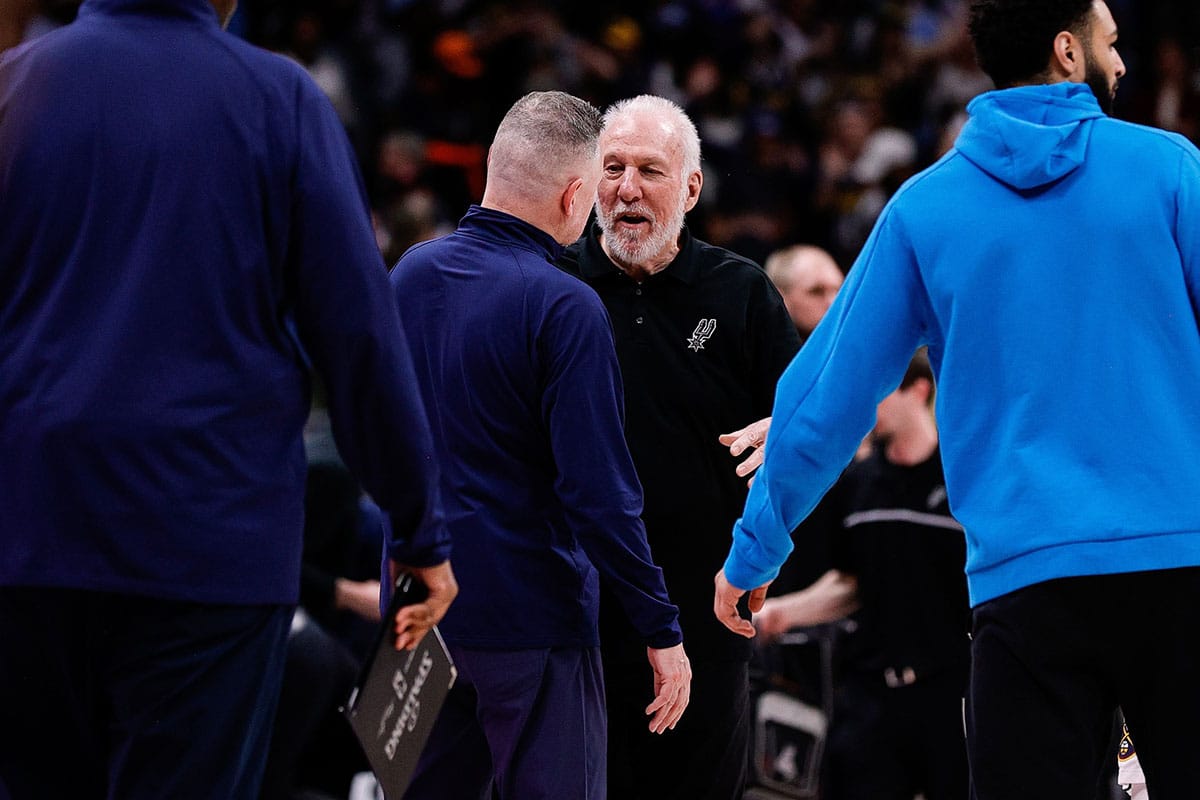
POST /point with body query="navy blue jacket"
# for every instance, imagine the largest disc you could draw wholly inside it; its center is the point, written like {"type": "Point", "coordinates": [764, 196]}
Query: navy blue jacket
{"type": "Point", "coordinates": [183, 229]}
{"type": "Point", "coordinates": [520, 376]}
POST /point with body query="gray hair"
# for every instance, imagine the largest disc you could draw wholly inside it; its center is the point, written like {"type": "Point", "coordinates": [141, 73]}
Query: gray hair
{"type": "Point", "coordinates": [670, 114]}
{"type": "Point", "coordinates": [545, 134]}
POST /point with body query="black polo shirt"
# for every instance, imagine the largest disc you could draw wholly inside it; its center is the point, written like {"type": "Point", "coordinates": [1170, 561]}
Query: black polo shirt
{"type": "Point", "coordinates": [701, 345]}
{"type": "Point", "coordinates": [897, 536]}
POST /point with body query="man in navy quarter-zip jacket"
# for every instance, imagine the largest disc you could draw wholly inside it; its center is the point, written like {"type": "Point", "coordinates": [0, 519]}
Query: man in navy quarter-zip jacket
{"type": "Point", "coordinates": [518, 367]}
{"type": "Point", "coordinates": [183, 237]}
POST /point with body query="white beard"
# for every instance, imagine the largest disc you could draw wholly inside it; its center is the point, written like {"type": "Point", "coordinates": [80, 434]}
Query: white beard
{"type": "Point", "coordinates": [631, 247]}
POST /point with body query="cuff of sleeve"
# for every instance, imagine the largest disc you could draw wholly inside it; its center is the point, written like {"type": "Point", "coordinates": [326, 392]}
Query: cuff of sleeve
{"type": "Point", "coordinates": [428, 547]}
{"type": "Point", "coordinates": [667, 638]}
{"type": "Point", "coordinates": [741, 572]}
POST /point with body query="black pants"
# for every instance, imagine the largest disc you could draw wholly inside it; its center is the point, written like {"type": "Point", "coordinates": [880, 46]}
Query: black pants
{"type": "Point", "coordinates": [108, 695]}
{"type": "Point", "coordinates": [1050, 664]}
{"type": "Point", "coordinates": [892, 743]}
{"type": "Point", "coordinates": [704, 758]}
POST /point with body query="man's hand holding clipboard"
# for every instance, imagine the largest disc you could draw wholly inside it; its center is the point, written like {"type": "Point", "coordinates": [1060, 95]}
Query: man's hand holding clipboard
{"type": "Point", "coordinates": [406, 677]}
{"type": "Point", "coordinates": [413, 621]}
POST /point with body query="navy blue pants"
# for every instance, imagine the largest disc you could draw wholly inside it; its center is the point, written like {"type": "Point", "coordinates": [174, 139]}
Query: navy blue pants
{"type": "Point", "coordinates": [1050, 664]}
{"type": "Point", "coordinates": [524, 724]}
{"type": "Point", "coordinates": [108, 695]}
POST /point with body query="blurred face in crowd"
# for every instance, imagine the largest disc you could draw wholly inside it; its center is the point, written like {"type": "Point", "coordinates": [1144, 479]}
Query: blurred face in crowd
{"type": "Point", "coordinates": [644, 193]}
{"type": "Point", "coordinates": [813, 282]}
{"type": "Point", "coordinates": [1104, 67]}
{"type": "Point", "coordinates": [901, 410]}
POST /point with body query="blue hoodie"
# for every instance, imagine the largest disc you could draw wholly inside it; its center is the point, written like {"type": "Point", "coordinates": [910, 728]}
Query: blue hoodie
{"type": "Point", "coordinates": [1050, 262]}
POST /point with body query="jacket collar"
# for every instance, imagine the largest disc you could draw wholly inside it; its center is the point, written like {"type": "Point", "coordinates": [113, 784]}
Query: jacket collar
{"type": "Point", "coordinates": [199, 10]}
{"type": "Point", "coordinates": [488, 223]}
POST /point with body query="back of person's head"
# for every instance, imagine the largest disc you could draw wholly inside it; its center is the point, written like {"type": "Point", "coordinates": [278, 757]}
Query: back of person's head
{"type": "Point", "coordinates": [1014, 39]}
{"type": "Point", "coordinates": [673, 120]}
{"type": "Point", "coordinates": [544, 140]}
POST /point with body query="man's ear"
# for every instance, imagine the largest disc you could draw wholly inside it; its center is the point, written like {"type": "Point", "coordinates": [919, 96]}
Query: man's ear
{"type": "Point", "coordinates": [1067, 60]}
{"type": "Point", "coordinates": [571, 196]}
{"type": "Point", "coordinates": [695, 184]}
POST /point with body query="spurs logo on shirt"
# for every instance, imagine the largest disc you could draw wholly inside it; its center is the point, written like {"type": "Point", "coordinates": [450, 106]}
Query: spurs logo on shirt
{"type": "Point", "coordinates": [704, 330]}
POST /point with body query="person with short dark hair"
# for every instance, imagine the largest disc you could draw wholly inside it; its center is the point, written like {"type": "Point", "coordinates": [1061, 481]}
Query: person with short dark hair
{"type": "Point", "coordinates": [516, 361]}
{"type": "Point", "coordinates": [1049, 256]}
{"type": "Point", "coordinates": [185, 241]}
{"type": "Point", "coordinates": [896, 729]}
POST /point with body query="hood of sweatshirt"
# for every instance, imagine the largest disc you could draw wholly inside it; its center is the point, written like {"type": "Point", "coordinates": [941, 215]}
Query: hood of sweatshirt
{"type": "Point", "coordinates": [1031, 135]}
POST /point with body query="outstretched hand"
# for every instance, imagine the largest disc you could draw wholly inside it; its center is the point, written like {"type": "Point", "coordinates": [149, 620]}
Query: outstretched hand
{"type": "Point", "coordinates": [725, 602]}
{"type": "Point", "coordinates": [414, 621]}
{"type": "Point", "coordinates": [753, 436]}
{"type": "Point", "coordinates": [672, 686]}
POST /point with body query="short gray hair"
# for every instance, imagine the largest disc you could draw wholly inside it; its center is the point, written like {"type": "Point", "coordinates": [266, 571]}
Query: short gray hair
{"type": "Point", "coordinates": [546, 132]}
{"type": "Point", "coordinates": [670, 113]}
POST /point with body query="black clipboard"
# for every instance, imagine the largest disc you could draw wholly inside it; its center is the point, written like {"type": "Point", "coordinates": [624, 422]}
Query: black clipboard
{"type": "Point", "coordinates": [398, 695]}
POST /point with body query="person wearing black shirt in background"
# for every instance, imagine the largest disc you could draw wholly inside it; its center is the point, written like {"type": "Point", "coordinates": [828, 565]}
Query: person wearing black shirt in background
{"type": "Point", "coordinates": [897, 727]}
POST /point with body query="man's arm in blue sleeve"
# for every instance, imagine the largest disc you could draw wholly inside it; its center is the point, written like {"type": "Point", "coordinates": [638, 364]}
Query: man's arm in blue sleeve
{"type": "Point", "coordinates": [350, 327]}
{"type": "Point", "coordinates": [826, 399]}
{"type": "Point", "coordinates": [597, 482]}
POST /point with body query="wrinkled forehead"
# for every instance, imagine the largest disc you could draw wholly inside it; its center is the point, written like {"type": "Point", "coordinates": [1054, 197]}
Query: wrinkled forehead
{"type": "Point", "coordinates": [642, 136]}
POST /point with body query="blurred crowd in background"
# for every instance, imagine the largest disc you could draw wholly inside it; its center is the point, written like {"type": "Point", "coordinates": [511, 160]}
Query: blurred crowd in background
{"type": "Point", "coordinates": [811, 112]}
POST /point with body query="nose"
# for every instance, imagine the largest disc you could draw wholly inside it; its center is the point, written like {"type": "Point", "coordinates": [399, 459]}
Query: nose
{"type": "Point", "coordinates": [1120, 73]}
{"type": "Point", "coordinates": [629, 189]}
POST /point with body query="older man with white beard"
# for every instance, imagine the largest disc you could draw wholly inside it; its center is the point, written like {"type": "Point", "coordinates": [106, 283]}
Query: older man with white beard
{"type": "Point", "coordinates": [702, 335]}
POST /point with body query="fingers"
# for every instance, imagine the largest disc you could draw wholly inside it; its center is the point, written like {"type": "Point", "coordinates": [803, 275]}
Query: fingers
{"type": "Point", "coordinates": [725, 601]}
{"type": "Point", "coordinates": [743, 441]}
{"type": "Point", "coordinates": [757, 598]}
{"type": "Point", "coordinates": [667, 708]}
{"type": "Point", "coordinates": [725, 605]}
{"type": "Point", "coordinates": [753, 435]}
{"type": "Point", "coordinates": [738, 624]}
{"type": "Point", "coordinates": [412, 623]}
{"type": "Point", "coordinates": [752, 463]}
{"type": "Point", "coordinates": [728, 439]}
{"type": "Point", "coordinates": [672, 686]}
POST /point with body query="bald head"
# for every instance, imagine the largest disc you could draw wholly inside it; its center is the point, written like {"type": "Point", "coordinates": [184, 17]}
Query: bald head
{"type": "Point", "coordinates": [808, 279]}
